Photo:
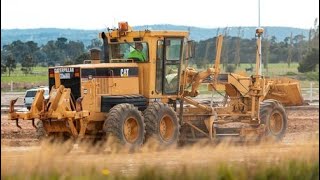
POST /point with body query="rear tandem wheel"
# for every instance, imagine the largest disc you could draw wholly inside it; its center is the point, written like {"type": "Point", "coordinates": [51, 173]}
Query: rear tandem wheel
{"type": "Point", "coordinates": [274, 117]}
{"type": "Point", "coordinates": [126, 123]}
{"type": "Point", "coordinates": [162, 124]}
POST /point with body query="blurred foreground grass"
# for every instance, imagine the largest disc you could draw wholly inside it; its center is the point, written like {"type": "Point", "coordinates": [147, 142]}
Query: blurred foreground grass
{"type": "Point", "coordinates": [224, 161]}
{"type": "Point", "coordinates": [292, 169]}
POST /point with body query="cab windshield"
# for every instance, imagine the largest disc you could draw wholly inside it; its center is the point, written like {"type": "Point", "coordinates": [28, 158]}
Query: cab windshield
{"type": "Point", "coordinates": [129, 51]}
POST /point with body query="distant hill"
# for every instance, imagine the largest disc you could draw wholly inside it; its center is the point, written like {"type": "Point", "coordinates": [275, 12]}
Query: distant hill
{"type": "Point", "coordinates": [199, 34]}
{"type": "Point", "coordinates": [43, 35]}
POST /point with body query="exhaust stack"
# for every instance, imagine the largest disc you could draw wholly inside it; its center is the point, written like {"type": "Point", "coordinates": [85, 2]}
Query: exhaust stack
{"type": "Point", "coordinates": [95, 55]}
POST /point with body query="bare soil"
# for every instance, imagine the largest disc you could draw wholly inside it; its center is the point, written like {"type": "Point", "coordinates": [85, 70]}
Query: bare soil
{"type": "Point", "coordinates": [302, 125]}
{"type": "Point", "coordinates": [21, 145]}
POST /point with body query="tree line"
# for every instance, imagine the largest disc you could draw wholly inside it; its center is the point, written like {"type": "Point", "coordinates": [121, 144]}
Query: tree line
{"type": "Point", "coordinates": [236, 50]}
{"type": "Point", "coordinates": [55, 52]}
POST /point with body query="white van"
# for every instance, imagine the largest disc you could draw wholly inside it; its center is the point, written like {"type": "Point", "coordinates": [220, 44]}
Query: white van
{"type": "Point", "coordinates": [31, 93]}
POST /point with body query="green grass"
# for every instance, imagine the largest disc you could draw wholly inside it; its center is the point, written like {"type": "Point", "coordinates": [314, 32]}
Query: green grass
{"type": "Point", "coordinates": [274, 69]}
{"type": "Point", "coordinates": [37, 69]}
{"type": "Point", "coordinates": [25, 79]}
{"type": "Point", "coordinates": [39, 75]}
{"type": "Point", "coordinates": [280, 69]}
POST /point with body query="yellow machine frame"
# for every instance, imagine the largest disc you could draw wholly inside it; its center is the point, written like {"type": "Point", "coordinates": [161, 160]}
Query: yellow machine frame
{"type": "Point", "coordinates": [245, 93]}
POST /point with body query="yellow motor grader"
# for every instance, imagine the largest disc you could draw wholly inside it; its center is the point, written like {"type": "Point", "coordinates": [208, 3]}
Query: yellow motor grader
{"type": "Point", "coordinates": [135, 100]}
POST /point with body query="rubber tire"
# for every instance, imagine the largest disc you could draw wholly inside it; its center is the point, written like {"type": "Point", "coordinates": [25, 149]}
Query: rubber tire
{"type": "Point", "coordinates": [153, 115]}
{"type": "Point", "coordinates": [114, 124]}
{"type": "Point", "coordinates": [267, 108]}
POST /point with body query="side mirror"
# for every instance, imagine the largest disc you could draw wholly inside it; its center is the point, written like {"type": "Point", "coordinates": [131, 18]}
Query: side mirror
{"type": "Point", "coordinates": [191, 49]}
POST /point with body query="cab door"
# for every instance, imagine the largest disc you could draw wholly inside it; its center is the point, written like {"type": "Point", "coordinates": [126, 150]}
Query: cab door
{"type": "Point", "coordinates": [169, 52]}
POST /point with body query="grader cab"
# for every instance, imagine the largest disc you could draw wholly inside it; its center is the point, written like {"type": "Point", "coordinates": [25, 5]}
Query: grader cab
{"type": "Point", "coordinates": [135, 100]}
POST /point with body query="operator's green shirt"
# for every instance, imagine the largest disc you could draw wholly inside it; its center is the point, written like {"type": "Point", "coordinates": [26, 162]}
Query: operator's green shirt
{"type": "Point", "coordinates": [137, 54]}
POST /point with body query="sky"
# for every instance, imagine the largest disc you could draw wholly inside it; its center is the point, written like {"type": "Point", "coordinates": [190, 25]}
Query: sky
{"type": "Point", "coordinates": [100, 14]}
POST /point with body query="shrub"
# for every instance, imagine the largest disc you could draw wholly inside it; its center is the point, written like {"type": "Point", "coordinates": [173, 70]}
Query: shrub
{"type": "Point", "coordinates": [230, 68]}
{"type": "Point", "coordinates": [310, 62]}
{"type": "Point", "coordinates": [291, 73]}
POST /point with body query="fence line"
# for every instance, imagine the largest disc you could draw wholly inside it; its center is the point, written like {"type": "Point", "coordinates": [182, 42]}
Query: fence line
{"type": "Point", "coordinates": [17, 75]}
{"type": "Point", "coordinates": [13, 86]}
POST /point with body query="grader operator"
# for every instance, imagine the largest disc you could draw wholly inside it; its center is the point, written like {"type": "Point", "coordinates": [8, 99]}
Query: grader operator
{"type": "Point", "coordinates": [134, 100]}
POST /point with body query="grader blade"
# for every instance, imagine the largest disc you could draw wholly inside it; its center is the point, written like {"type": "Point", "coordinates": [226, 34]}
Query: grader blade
{"type": "Point", "coordinates": [287, 91]}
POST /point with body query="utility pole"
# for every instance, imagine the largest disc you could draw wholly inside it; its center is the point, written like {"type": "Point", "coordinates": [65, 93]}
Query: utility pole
{"type": "Point", "coordinates": [258, 13]}
{"type": "Point", "coordinates": [259, 37]}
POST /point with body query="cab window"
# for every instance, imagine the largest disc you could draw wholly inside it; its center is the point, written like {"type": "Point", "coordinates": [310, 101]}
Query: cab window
{"type": "Point", "coordinates": [173, 52]}
{"type": "Point", "coordinates": [127, 51]}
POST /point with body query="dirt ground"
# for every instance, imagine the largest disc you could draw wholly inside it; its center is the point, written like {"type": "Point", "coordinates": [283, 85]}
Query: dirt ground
{"type": "Point", "coordinates": [303, 126]}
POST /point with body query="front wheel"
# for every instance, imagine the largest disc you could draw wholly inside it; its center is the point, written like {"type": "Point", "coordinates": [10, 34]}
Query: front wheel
{"type": "Point", "coordinates": [274, 117]}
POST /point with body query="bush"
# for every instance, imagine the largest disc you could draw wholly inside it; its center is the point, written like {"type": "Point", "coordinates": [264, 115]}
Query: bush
{"type": "Point", "coordinates": [309, 76]}
{"type": "Point", "coordinates": [310, 62]}
{"type": "Point", "coordinates": [3, 68]}
{"type": "Point", "coordinates": [67, 62]}
{"type": "Point", "coordinates": [230, 68]}
{"type": "Point", "coordinates": [312, 76]}
{"type": "Point", "coordinates": [291, 73]}
{"type": "Point", "coordinates": [26, 70]}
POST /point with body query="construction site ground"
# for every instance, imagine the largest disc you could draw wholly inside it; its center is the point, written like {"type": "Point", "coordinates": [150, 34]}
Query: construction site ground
{"type": "Point", "coordinates": [303, 126]}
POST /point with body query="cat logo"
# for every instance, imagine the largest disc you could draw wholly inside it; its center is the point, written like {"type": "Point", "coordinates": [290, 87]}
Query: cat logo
{"type": "Point", "coordinates": [124, 72]}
